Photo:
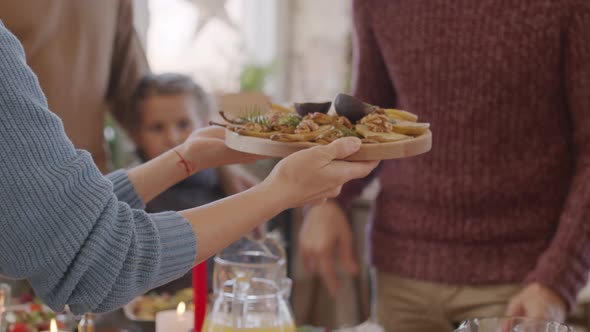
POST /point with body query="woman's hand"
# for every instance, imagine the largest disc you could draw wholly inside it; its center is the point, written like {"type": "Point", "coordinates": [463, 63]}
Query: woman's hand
{"type": "Point", "coordinates": [315, 174]}
{"type": "Point", "coordinates": [205, 148]}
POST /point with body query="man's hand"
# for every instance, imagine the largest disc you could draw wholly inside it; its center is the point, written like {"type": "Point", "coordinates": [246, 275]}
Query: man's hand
{"type": "Point", "coordinates": [538, 301]}
{"type": "Point", "coordinates": [325, 236]}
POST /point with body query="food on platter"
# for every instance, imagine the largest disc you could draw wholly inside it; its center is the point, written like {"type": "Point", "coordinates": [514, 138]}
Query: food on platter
{"type": "Point", "coordinates": [278, 131]}
{"type": "Point", "coordinates": [312, 122]}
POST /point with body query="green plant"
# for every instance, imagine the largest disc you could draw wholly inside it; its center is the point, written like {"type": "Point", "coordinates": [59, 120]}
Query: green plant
{"type": "Point", "coordinates": [253, 77]}
{"type": "Point", "coordinates": [115, 142]}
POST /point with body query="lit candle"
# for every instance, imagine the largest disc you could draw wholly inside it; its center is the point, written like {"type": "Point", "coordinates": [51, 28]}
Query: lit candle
{"type": "Point", "coordinates": [177, 321]}
{"type": "Point", "coordinates": [53, 326]}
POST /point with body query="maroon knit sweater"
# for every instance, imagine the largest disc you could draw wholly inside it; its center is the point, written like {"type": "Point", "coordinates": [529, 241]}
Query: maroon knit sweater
{"type": "Point", "coordinates": [504, 195]}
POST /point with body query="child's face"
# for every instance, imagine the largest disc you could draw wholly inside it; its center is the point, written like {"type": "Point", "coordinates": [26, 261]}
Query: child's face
{"type": "Point", "coordinates": [166, 121]}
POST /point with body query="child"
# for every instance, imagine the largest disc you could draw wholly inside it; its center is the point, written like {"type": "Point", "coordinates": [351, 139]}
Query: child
{"type": "Point", "coordinates": [166, 109]}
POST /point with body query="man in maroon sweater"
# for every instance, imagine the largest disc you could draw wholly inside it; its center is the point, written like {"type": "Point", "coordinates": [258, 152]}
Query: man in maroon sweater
{"type": "Point", "coordinates": [494, 220]}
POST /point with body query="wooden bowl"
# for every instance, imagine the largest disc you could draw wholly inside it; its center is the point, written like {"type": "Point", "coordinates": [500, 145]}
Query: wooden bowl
{"type": "Point", "coordinates": [377, 151]}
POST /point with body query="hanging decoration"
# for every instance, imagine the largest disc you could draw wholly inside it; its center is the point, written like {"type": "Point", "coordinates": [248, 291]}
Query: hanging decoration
{"type": "Point", "coordinates": [209, 10]}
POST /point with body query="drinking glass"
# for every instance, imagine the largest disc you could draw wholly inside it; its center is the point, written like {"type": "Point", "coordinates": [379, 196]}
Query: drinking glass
{"type": "Point", "coordinates": [511, 324]}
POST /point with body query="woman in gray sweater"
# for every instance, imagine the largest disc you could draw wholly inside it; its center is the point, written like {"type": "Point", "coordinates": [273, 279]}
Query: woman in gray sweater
{"type": "Point", "coordinates": [82, 239]}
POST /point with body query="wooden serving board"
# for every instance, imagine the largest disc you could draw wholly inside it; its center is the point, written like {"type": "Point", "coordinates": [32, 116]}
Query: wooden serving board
{"type": "Point", "coordinates": [377, 151]}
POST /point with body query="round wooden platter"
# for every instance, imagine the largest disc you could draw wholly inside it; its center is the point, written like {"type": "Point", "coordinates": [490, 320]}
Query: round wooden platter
{"type": "Point", "coordinates": [377, 151]}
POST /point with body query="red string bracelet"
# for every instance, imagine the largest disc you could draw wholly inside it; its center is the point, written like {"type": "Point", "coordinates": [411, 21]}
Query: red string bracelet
{"type": "Point", "coordinates": [183, 163]}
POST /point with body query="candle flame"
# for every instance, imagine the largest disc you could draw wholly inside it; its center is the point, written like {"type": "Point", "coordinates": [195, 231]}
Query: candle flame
{"type": "Point", "coordinates": [180, 309]}
{"type": "Point", "coordinates": [53, 325]}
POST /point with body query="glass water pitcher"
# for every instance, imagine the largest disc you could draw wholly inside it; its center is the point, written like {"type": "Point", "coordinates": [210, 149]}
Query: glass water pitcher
{"type": "Point", "coordinates": [249, 258]}
{"type": "Point", "coordinates": [250, 304]}
{"type": "Point", "coordinates": [251, 288]}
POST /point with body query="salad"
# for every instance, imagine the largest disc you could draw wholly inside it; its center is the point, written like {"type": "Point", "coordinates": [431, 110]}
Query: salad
{"type": "Point", "coordinates": [35, 319]}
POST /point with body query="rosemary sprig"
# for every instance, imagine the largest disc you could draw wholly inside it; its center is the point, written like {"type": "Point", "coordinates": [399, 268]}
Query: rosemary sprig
{"type": "Point", "coordinates": [289, 120]}
{"type": "Point", "coordinates": [347, 132]}
{"type": "Point", "coordinates": [254, 114]}
{"type": "Point", "coordinates": [260, 119]}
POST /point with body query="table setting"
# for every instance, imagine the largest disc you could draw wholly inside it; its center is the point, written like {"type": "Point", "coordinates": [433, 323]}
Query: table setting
{"type": "Point", "coordinates": [251, 293]}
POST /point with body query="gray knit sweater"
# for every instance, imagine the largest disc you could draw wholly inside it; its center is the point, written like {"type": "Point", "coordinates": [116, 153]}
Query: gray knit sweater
{"type": "Point", "coordinates": [80, 238]}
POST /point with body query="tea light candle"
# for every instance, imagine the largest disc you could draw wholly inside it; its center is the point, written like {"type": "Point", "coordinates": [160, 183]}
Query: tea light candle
{"type": "Point", "coordinates": [53, 326]}
{"type": "Point", "coordinates": [177, 321]}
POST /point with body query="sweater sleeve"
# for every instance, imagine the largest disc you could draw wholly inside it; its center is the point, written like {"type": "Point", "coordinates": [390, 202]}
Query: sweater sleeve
{"type": "Point", "coordinates": [565, 265]}
{"type": "Point", "coordinates": [61, 224]}
{"type": "Point", "coordinates": [370, 82]}
{"type": "Point", "coordinates": [124, 190]}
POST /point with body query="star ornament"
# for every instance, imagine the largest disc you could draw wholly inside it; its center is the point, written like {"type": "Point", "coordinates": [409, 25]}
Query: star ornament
{"type": "Point", "coordinates": [211, 9]}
